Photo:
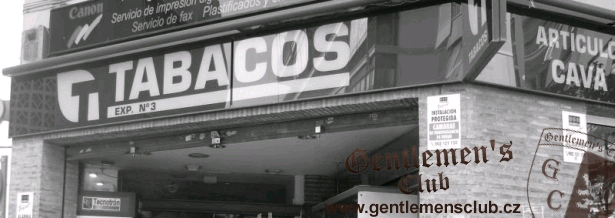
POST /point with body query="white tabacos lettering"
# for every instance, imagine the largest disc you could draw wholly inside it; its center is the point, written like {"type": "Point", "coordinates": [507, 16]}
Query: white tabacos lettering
{"type": "Point", "coordinates": [300, 40]}
{"type": "Point", "coordinates": [146, 69]}
{"type": "Point", "coordinates": [178, 79]}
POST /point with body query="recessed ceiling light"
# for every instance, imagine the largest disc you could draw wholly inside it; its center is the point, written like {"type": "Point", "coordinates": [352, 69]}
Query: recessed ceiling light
{"type": "Point", "coordinates": [198, 155]}
{"type": "Point", "coordinates": [93, 175]}
{"type": "Point", "coordinates": [99, 184]}
{"type": "Point", "coordinates": [217, 146]}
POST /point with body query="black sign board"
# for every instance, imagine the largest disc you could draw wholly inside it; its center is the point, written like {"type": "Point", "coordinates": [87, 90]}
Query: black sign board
{"type": "Point", "coordinates": [558, 58]}
{"type": "Point", "coordinates": [102, 21]}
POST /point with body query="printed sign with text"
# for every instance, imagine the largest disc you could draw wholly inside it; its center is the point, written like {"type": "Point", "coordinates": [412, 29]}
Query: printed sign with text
{"type": "Point", "coordinates": [443, 121]}
{"type": "Point", "coordinates": [25, 204]}
{"type": "Point", "coordinates": [576, 122]}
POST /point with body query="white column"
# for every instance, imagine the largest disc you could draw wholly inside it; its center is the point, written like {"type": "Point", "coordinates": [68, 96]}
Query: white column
{"type": "Point", "coordinates": [299, 190]}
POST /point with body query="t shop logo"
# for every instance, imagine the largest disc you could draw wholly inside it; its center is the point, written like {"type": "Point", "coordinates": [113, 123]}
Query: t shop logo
{"type": "Point", "coordinates": [556, 188]}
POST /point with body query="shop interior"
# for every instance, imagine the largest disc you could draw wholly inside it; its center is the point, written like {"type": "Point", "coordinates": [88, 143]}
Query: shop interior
{"type": "Point", "coordinates": [253, 171]}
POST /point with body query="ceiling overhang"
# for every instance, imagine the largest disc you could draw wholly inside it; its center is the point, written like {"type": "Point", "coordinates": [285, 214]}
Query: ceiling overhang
{"type": "Point", "coordinates": [241, 117]}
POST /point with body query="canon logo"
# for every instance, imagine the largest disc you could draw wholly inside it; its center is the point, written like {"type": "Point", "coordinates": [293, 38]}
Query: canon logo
{"type": "Point", "coordinates": [85, 11]}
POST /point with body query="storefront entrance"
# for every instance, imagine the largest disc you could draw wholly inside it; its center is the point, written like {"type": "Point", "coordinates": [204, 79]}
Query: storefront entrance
{"type": "Point", "coordinates": [277, 169]}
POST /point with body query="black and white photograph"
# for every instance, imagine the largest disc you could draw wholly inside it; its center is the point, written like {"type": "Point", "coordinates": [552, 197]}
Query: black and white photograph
{"type": "Point", "coordinates": [307, 109]}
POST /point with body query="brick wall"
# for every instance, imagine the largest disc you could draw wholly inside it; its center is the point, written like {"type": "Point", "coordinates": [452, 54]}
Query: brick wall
{"type": "Point", "coordinates": [52, 181]}
{"type": "Point", "coordinates": [71, 188]}
{"type": "Point", "coordinates": [26, 175]}
{"type": "Point", "coordinates": [39, 168]}
{"type": "Point", "coordinates": [503, 115]}
{"type": "Point", "coordinates": [486, 112]}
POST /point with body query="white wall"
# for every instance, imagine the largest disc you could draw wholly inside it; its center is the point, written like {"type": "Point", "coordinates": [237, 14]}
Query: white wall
{"type": "Point", "coordinates": [34, 19]}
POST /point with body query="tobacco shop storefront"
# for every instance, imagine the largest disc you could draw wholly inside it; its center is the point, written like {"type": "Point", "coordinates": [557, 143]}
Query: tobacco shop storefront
{"type": "Point", "coordinates": [170, 108]}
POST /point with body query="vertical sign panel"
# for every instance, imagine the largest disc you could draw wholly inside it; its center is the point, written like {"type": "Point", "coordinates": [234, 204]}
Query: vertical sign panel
{"type": "Point", "coordinates": [484, 33]}
{"type": "Point", "coordinates": [444, 122]}
{"type": "Point", "coordinates": [25, 204]}
{"type": "Point", "coordinates": [577, 123]}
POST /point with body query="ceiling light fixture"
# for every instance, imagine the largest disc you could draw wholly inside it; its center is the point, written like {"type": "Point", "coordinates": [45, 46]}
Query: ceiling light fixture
{"type": "Point", "coordinates": [93, 175]}
{"type": "Point", "coordinates": [198, 155]}
{"type": "Point", "coordinates": [100, 184]}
